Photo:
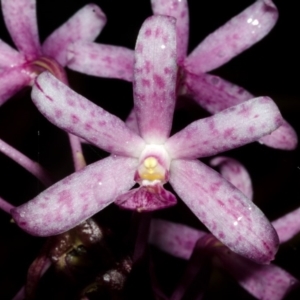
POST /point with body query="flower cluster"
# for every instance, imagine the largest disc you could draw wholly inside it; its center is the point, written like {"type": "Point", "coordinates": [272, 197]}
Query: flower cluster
{"type": "Point", "coordinates": [149, 168]}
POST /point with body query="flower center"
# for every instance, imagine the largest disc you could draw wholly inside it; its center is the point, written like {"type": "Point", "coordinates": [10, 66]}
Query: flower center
{"type": "Point", "coordinates": [44, 63]}
{"type": "Point", "coordinates": [151, 170]}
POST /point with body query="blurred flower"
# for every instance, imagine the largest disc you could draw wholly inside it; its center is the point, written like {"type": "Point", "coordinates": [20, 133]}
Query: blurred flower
{"type": "Point", "coordinates": [19, 68]}
{"type": "Point", "coordinates": [152, 158]}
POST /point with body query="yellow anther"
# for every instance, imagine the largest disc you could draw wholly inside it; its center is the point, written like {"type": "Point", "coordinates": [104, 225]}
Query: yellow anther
{"type": "Point", "coordinates": [150, 162]}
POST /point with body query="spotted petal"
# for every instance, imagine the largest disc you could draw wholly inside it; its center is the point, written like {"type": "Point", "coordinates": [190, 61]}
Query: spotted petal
{"type": "Point", "coordinates": [288, 225]}
{"type": "Point", "coordinates": [179, 10]}
{"type": "Point", "coordinates": [224, 210]}
{"type": "Point", "coordinates": [11, 81]}
{"type": "Point", "coordinates": [237, 35]}
{"type": "Point", "coordinates": [84, 25]}
{"type": "Point", "coordinates": [77, 197]}
{"type": "Point", "coordinates": [176, 239]}
{"type": "Point", "coordinates": [9, 57]}
{"type": "Point", "coordinates": [235, 173]}
{"type": "Point", "coordinates": [261, 281]}
{"type": "Point", "coordinates": [231, 128]}
{"type": "Point", "coordinates": [20, 20]}
{"type": "Point", "coordinates": [155, 73]}
{"type": "Point", "coordinates": [101, 60]}
{"type": "Point", "coordinates": [77, 115]}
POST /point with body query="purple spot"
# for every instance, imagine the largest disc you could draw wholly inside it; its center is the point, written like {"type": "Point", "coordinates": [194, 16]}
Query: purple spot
{"type": "Point", "coordinates": [71, 102]}
{"type": "Point", "coordinates": [148, 32]}
{"type": "Point", "coordinates": [160, 83]}
{"type": "Point", "coordinates": [49, 98]}
{"type": "Point", "coordinates": [145, 82]}
{"type": "Point", "coordinates": [75, 119]}
{"type": "Point", "coordinates": [58, 113]}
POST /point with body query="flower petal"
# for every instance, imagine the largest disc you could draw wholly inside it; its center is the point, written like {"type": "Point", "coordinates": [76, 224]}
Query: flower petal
{"type": "Point", "coordinates": [101, 60]}
{"type": "Point", "coordinates": [144, 199]}
{"type": "Point", "coordinates": [235, 173]}
{"type": "Point", "coordinates": [179, 10]}
{"type": "Point", "coordinates": [84, 25]}
{"type": "Point", "coordinates": [267, 282]}
{"type": "Point", "coordinates": [224, 210]}
{"type": "Point", "coordinates": [11, 81]}
{"type": "Point", "coordinates": [288, 225]}
{"type": "Point", "coordinates": [20, 20]}
{"type": "Point", "coordinates": [176, 239]}
{"type": "Point", "coordinates": [285, 138]}
{"type": "Point", "coordinates": [216, 94]}
{"type": "Point", "coordinates": [231, 128]}
{"type": "Point", "coordinates": [155, 73]}
{"type": "Point", "coordinates": [77, 197]}
{"type": "Point", "coordinates": [131, 122]}
{"type": "Point", "coordinates": [237, 35]}
{"type": "Point", "coordinates": [77, 115]}
{"type": "Point", "coordinates": [9, 57]}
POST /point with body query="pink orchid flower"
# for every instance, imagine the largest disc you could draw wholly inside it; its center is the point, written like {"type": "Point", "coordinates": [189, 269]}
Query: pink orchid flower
{"type": "Point", "coordinates": [211, 92]}
{"type": "Point", "coordinates": [19, 68]}
{"type": "Point", "coordinates": [151, 158]}
{"type": "Point", "coordinates": [268, 282]}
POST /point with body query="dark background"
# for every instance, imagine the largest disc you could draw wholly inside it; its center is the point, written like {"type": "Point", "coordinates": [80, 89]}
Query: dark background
{"type": "Point", "coordinates": [269, 68]}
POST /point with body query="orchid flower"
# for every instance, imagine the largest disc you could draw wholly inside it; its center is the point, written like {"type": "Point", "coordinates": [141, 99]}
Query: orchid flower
{"type": "Point", "coordinates": [152, 158]}
{"type": "Point", "coordinates": [19, 68]}
{"type": "Point", "coordinates": [268, 282]}
{"type": "Point", "coordinates": [211, 92]}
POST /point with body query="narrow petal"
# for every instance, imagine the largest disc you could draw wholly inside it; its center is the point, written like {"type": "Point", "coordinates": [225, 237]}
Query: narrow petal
{"type": "Point", "coordinates": [11, 81]}
{"type": "Point", "coordinates": [179, 10]}
{"type": "Point", "coordinates": [229, 129]}
{"type": "Point", "coordinates": [216, 94]}
{"type": "Point", "coordinates": [20, 20]}
{"type": "Point", "coordinates": [267, 282]}
{"type": "Point", "coordinates": [101, 60]}
{"type": "Point", "coordinates": [288, 225]}
{"type": "Point", "coordinates": [234, 172]}
{"type": "Point", "coordinates": [176, 239]}
{"type": "Point", "coordinates": [285, 138]}
{"type": "Point", "coordinates": [155, 78]}
{"type": "Point", "coordinates": [9, 57]}
{"type": "Point", "coordinates": [237, 35]}
{"type": "Point", "coordinates": [77, 197]}
{"type": "Point", "coordinates": [224, 210]}
{"type": "Point", "coordinates": [84, 25]}
{"type": "Point", "coordinates": [213, 93]}
{"type": "Point", "coordinates": [77, 115]}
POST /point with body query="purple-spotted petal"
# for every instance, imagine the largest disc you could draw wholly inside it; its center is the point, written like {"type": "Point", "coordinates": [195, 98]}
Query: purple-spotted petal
{"type": "Point", "coordinates": [285, 138]}
{"type": "Point", "coordinates": [216, 94]}
{"type": "Point", "coordinates": [85, 25]}
{"type": "Point", "coordinates": [20, 20]}
{"type": "Point", "coordinates": [231, 128]}
{"type": "Point", "coordinates": [235, 173]}
{"type": "Point", "coordinates": [288, 225]}
{"type": "Point", "coordinates": [179, 10]}
{"type": "Point", "coordinates": [176, 239]}
{"type": "Point", "coordinates": [237, 35]}
{"type": "Point", "coordinates": [9, 57]}
{"type": "Point", "coordinates": [11, 81]}
{"type": "Point", "coordinates": [212, 92]}
{"type": "Point", "coordinates": [155, 73]}
{"type": "Point", "coordinates": [101, 60]}
{"type": "Point", "coordinates": [267, 282]}
{"type": "Point", "coordinates": [77, 115]}
{"type": "Point", "coordinates": [77, 197]}
{"type": "Point", "coordinates": [148, 198]}
{"type": "Point", "coordinates": [224, 210]}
